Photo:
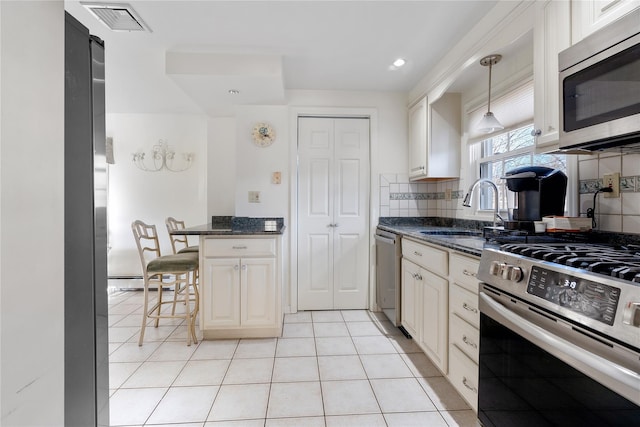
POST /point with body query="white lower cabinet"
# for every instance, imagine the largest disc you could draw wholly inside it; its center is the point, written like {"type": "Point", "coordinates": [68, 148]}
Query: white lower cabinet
{"type": "Point", "coordinates": [240, 288]}
{"type": "Point", "coordinates": [463, 375]}
{"type": "Point", "coordinates": [440, 310]}
{"type": "Point", "coordinates": [464, 324]}
{"type": "Point", "coordinates": [411, 301]}
{"type": "Point", "coordinates": [433, 338]}
{"type": "Point", "coordinates": [425, 299]}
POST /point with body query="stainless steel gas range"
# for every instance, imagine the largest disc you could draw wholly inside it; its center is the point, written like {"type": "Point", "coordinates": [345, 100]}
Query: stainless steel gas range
{"type": "Point", "coordinates": [559, 335]}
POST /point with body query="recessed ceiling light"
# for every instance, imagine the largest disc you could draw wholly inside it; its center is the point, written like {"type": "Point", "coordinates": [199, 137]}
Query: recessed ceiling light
{"type": "Point", "coordinates": [399, 62]}
{"type": "Point", "coordinates": [234, 91]}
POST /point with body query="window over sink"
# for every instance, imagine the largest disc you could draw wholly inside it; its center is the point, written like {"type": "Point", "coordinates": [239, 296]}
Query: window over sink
{"type": "Point", "coordinates": [503, 152]}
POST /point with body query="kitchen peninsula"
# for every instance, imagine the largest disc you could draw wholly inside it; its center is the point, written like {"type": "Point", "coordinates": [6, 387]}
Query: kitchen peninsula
{"type": "Point", "coordinates": [240, 276]}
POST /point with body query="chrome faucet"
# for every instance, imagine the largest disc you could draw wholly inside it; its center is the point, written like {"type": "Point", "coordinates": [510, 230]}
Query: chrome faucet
{"type": "Point", "coordinates": [467, 199]}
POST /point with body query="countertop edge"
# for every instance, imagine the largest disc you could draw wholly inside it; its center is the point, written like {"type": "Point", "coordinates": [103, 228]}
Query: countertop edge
{"type": "Point", "coordinates": [448, 242]}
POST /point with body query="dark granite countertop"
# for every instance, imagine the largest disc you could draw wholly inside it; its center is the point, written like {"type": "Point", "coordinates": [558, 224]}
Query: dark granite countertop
{"type": "Point", "coordinates": [237, 226]}
{"type": "Point", "coordinates": [463, 236]}
{"type": "Point", "coordinates": [444, 233]}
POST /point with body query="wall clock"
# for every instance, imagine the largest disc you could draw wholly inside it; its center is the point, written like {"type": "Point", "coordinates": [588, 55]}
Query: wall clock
{"type": "Point", "coordinates": [263, 135]}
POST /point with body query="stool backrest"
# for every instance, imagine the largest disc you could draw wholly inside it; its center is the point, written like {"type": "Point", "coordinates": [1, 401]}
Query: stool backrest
{"type": "Point", "coordinates": [178, 241]}
{"type": "Point", "coordinates": [146, 237]}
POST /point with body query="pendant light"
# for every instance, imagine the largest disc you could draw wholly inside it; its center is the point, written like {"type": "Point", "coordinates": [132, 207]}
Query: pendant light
{"type": "Point", "coordinates": [489, 123]}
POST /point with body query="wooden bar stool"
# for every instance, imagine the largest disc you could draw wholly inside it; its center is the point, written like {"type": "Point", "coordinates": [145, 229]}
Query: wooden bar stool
{"type": "Point", "coordinates": [179, 242]}
{"type": "Point", "coordinates": [176, 270]}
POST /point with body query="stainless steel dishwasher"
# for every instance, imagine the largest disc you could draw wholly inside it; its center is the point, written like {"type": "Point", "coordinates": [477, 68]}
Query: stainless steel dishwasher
{"type": "Point", "coordinates": [388, 256]}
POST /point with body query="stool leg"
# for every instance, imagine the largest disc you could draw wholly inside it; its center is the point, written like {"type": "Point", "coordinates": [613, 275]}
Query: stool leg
{"type": "Point", "coordinates": [196, 308]}
{"type": "Point", "coordinates": [187, 306]}
{"type": "Point", "coordinates": [160, 284]}
{"type": "Point", "coordinates": [144, 310]}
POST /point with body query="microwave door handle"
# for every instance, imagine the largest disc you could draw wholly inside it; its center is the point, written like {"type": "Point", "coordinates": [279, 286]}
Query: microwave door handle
{"type": "Point", "coordinates": [620, 379]}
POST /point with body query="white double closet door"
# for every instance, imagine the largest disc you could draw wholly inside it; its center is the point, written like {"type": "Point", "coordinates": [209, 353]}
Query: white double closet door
{"type": "Point", "coordinates": [333, 213]}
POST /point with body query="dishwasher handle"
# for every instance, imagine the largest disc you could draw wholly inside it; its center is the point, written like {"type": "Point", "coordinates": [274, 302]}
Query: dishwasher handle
{"type": "Point", "coordinates": [385, 239]}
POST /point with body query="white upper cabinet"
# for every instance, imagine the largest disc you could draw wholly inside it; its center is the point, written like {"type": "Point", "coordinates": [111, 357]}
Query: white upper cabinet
{"type": "Point", "coordinates": [434, 138]}
{"type": "Point", "coordinates": [418, 139]}
{"type": "Point", "coordinates": [551, 35]}
{"type": "Point", "coordinates": [588, 16]}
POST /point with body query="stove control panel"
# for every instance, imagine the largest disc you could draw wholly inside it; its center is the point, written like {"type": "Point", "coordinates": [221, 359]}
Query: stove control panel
{"type": "Point", "coordinates": [508, 272]}
{"type": "Point", "coordinates": [591, 299]}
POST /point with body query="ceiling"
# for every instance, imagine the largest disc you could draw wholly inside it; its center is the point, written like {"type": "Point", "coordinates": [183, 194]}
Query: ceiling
{"type": "Point", "coordinates": [198, 50]}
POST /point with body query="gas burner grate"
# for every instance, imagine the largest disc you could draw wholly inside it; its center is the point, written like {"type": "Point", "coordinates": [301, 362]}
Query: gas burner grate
{"type": "Point", "coordinates": [609, 260]}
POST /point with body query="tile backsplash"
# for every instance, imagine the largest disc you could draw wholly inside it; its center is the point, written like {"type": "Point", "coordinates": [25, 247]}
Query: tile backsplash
{"type": "Point", "coordinates": [618, 214]}
{"type": "Point", "coordinates": [401, 198]}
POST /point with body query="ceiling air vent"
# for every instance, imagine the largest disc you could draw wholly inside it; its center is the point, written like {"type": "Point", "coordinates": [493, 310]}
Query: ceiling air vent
{"type": "Point", "coordinates": [117, 16]}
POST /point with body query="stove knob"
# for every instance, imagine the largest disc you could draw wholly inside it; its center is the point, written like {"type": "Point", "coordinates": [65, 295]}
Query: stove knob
{"type": "Point", "coordinates": [512, 273]}
{"type": "Point", "coordinates": [516, 274]}
{"type": "Point", "coordinates": [495, 268]}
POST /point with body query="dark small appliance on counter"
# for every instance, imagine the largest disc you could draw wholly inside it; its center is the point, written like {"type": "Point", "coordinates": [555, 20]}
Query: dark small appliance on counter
{"type": "Point", "coordinates": [537, 191]}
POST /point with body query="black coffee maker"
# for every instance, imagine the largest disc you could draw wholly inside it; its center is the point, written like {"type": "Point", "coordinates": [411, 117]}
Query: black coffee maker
{"type": "Point", "coordinates": [537, 191]}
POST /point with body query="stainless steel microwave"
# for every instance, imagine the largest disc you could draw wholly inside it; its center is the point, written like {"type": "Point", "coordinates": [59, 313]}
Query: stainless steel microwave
{"type": "Point", "coordinates": [600, 89]}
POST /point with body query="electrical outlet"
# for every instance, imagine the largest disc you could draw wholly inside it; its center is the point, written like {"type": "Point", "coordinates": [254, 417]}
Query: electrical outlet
{"type": "Point", "coordinates": [612, 180]}
{"type": "Point", "coordinates": [254, 197]}
{"type": "Point", "coordinates": [447, 194]}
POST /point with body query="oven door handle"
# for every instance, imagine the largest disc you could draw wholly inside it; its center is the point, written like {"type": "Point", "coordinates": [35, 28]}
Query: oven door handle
{"type": "Point", "coordinates": [622, 380]}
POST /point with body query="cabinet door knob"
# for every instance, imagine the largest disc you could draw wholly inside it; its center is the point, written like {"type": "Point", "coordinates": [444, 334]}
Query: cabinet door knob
{"type": "Point", "coordinates": [236, 267]}
{"type": "Point", "coordinates": [244, 267]}
{"type": "Point", "coordinates": [536, 132]}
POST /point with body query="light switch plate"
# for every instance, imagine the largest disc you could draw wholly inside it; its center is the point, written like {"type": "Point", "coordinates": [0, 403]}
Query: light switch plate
{"type": "Point", "coordinates": [254, 197]}
{"type": "Point", "coordinates": [276, 178]}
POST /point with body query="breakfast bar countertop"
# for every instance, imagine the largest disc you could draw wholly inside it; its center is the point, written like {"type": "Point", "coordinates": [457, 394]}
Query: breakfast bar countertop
{"type": "Point", "coordinates": [236, 226]}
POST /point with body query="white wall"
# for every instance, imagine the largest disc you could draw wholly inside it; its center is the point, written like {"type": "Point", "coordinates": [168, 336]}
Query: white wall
{"type": "Point", "coordinates": [153, 196]}
{"type": "Point", "coordinates": [254, 165]}
{"type": "Point", "coordinates": [221, 166]}
{"type": "Point", "coordinates": [32, 213]}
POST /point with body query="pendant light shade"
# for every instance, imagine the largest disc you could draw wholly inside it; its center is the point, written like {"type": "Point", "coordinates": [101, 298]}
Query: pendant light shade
{"type": "Point", "coordinates": [489, 123]}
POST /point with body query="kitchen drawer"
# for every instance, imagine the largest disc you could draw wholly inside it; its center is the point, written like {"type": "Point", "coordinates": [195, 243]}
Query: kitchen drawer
{"type": "Point", "coordinates": [464, 271]}
{"type": "Point", "coordinates": [433, 259]}
{"type": "Point", "coordinates": [238, 248]}
{"type": "Point", "coordinates": [465, 336]}
{"type": "Point", "coordinates": [463, 375]}
{"type": "Point", "coordinates": [464, 304]}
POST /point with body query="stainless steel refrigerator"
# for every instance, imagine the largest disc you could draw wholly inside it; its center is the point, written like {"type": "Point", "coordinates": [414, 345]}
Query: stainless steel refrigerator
{"type": "Point", "coordinates": [85, 251]}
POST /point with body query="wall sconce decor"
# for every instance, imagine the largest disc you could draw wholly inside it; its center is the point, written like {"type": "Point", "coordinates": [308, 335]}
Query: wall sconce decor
{"type": "Point", "coordinates": [162, 157]}
{"type": "Point", "coordinates": [489, 123]}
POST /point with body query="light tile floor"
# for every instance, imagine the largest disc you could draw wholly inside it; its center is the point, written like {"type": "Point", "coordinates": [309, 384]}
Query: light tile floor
{"type": "Point", "coordinates": [330, 368]}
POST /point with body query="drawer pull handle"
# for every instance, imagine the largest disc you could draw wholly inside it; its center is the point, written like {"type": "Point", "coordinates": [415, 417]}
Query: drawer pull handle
{"type": "Point", "coordinates": [238, 247]}
{"type": "Point", "coordinates": [416, 253]}
{"type": "Point", "coordinates": [465, 382]}
{"type": "Point", "coordinates": [469, 308]}
{"type": "Point", "coordinates": [468, 342]}
{"type": "Point", "coordinates": [468, 273]}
